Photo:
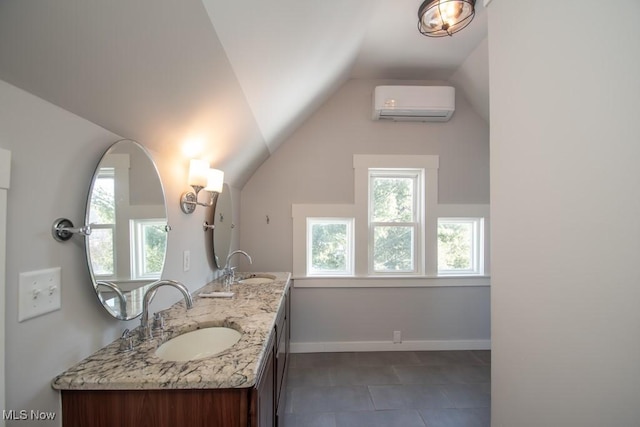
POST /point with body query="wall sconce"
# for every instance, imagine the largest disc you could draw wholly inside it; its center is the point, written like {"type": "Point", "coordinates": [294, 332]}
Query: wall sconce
{"type": "Point", "coordinates": [201, 177]}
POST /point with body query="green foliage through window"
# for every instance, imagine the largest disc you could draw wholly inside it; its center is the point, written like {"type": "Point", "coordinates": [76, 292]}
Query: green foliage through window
{"type": "Point", "coordinates": [329, 246]}
{"type": "Point", "coordinates": [393, 218]}
{"type": "Point", "coordinates": [155, 242]}
{"type": "Point", "coordinates": [459, 245]}
{"type": "Point", "coordinates": [392, 199]}
{"type": "Point", "coordinates": [393, 249]}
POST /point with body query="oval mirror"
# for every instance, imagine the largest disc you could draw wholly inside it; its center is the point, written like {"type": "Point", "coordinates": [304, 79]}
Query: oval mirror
{"type": "Point", "coordinates": [222, 221]}
{"type": "Point", "coordinates": [127, 212]}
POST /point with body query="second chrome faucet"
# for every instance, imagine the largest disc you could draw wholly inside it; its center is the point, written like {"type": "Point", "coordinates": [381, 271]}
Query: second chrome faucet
{"type": "Point", "coordinates": [228, 272]}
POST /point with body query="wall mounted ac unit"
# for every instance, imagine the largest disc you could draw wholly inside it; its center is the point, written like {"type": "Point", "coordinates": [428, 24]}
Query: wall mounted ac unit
{"type": "Point", "coordinates": [414, 103]}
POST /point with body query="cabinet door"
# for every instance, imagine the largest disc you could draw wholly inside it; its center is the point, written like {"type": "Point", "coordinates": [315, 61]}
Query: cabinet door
{"type": "Point", "coordinates": [155, 408]}
{"type": "Point", "coordinates": [283, 330]}
{"type": "Point", "coordinates": [281, 360]}
{"type": "Point", "coordinates": [265, 395]}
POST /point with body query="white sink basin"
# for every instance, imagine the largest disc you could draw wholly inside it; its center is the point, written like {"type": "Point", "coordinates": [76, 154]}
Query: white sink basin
{"type": "Point", "coordinates": [198, 344]}
{"type": "Point", "coordinates": [258, 279]}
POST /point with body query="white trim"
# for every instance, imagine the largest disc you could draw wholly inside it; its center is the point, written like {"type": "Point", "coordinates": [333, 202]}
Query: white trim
{"type": "Point", "coordinates": [473, 210]}
{"type": "Point", "coordinates": [361, 164]}
{"type": "Point", "coordinates": [391, 282]}
{"type": "Point", "coordinates": [348, 250]}
{"type": "Point", "coordinates": [416, 223]}
{"type": "Point", "coordinates": [395, 161]}
{"type": "Point", "coordinates": [299, 213]}
{"type": "Point", "coordinates": [486, 2]}
{"type": "Point", "coordinates": [427, 345]}
{"type": "Point", "coordinates": [477, 245]}
{"type": "Point", "coordinates": [5, 180]}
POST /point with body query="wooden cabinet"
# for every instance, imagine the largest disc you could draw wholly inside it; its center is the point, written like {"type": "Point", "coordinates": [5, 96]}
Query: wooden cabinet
{"type": "Point", "coordinates": [263, 400]}
{"type": "Point", "coordinates": [283, 334]}
{"type": "Point", "coordinates": [269, 394]}
{"type": "Point", "coordinates": [243, 407]}
{"type": "Point", "coordinates": [155, 408]}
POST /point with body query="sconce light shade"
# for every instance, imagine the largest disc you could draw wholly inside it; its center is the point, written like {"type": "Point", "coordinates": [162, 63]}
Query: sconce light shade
{"type": "Point", "coordinates": [198, 170]}
{"type": "Point", "coordinates": [440, 18]}
{"type": "Point", "coordinates": [201, 177]}
{"type": "Point", "coordinates": [215, 179]}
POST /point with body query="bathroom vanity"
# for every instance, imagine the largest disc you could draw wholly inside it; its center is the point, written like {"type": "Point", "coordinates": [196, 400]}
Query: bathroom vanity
{"type": "Point", "coordinates": [241, 386]}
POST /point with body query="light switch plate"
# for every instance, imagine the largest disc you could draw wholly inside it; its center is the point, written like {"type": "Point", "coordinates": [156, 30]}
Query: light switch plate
{"type": "Point", "coordinates": [38, 292]}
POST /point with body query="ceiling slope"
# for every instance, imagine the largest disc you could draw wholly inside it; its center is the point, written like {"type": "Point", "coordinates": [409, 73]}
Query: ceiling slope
{"type": "Point", "coordinates": [472, 78]}
{"type": "Point", "coordinates": [394, 49]}
{"type": "Point", "coordinates": [289, 55]}
{"type": "Point", "coordinates": [239, 75]}
{"type": "Point", "coordinates": [151, 70]}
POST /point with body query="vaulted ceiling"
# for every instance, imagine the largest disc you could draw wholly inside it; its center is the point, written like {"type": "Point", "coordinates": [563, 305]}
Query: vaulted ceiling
{"type": "Point", "coordinates": [238, 75]}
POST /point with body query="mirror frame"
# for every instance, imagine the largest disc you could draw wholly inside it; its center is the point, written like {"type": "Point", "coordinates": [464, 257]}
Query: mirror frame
{"type": "Point", "coordinates": [130, 308]}
{"type": "Point", "coordinates": [223, 226]}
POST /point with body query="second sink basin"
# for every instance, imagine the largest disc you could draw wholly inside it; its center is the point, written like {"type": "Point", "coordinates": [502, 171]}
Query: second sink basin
{"type": "Point", "coordinates": [258, 279]}
{"type": "Point", "coordinates": [198, 344]}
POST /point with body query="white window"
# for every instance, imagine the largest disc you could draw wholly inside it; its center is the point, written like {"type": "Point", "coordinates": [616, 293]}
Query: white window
{"type": "Point", "coordinates": [395, 220]}
{"type": "Point", "coordinates": [102, 218]}
{"type": "Point", "coordinates": [148, 247]}
{"type": "Point", "coordinates": [395, 233]}
{"type": "Point", "coordinates": [460, 246]}
{"type": "Point", "coordinates": [329, 246]}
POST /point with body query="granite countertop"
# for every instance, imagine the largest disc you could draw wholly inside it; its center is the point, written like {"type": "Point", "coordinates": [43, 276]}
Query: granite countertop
{"type": "Point", "coordinates": [252, 311]}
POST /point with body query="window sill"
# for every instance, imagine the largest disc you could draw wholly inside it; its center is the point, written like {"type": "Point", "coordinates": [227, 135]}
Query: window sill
{"type": "Point", "coordinates": [392, 282]}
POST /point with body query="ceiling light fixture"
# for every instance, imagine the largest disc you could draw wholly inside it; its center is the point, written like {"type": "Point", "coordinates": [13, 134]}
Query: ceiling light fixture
{"type": "Point", "coordinates": [440, 18]}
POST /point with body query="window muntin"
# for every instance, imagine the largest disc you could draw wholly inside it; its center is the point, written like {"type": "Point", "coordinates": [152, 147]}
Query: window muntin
{"type": "Point", "coordinates": [329, 246]}
{"type": "Point", "coordinates": [395, 220]}
{"type": "Point", "coordinates": [460, 243]}
{"type": "Point", "coordinates": [148, 248]}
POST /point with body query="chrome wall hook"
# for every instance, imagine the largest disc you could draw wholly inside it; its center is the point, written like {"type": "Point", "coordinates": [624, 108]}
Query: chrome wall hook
{"type": "Point", "coordinates": [63, 229]}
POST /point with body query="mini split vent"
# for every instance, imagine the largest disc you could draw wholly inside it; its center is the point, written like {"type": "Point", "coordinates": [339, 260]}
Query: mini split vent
{"type": "Point", "coordinates": [414, 103]}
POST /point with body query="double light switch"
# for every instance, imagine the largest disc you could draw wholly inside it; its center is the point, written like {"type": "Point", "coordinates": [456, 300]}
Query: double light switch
{"type": "Point", "coordinates": [39, 292]}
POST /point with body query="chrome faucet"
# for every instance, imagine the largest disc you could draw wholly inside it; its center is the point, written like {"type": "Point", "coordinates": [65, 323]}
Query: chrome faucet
{"type": "Point", "coordinates": [228, 272]}
{"type": "Point", "coordinates": [145, 330]}
{"type": "Point", "coordinates": [121, 298]}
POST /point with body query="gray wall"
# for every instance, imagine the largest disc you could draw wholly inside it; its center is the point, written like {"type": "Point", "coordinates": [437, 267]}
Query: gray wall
{"type": "Point", "coordinates": [54, 154]}
{"type": "Point", "coordinates": [565, 203]}
{"type": "Point", "coordinates": [315, 165]}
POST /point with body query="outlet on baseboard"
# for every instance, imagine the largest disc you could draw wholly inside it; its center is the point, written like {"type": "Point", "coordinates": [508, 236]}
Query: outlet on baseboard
{"type": "Point", "coordinates": [397, 337]}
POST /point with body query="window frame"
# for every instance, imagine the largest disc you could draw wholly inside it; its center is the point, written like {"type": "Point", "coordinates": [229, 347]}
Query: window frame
{"type": "Point", "coordinates": [477, 246]}
{"type": "Point", "coordinates": [359, 210]}
{"type": "Point", "coordinates": [105, 173]}
{"type": "Point", "coordinates": [416, 225]}
{"type": "Point", "coordinates": [428, 164]}
{"type": "Point", "coordinates": [137, 248]}
{"type": "Point", "coordinates": [349, 249]}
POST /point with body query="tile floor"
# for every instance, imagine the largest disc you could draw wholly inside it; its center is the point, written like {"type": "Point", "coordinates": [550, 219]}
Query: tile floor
{"type": "Point", "coordinates": [389, 389]}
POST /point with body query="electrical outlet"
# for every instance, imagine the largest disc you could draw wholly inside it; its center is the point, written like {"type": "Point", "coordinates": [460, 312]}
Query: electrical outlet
{"type": "Point", "coordinates": [39, 292]}
{"type": "Point", "coordinates": [397, 337]}
{"type": "Point", "coordinates": [186, 261]}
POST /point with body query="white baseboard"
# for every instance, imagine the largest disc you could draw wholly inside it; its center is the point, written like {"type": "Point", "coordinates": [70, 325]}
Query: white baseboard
{"type": "Point", "coordinates": [343, 346]}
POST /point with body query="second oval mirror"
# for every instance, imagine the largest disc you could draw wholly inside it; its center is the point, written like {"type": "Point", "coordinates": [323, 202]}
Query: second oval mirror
{"type": "Point", "coordinates": [223, 224]}
{"type": "Point", "coordinates": [127, 212]}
